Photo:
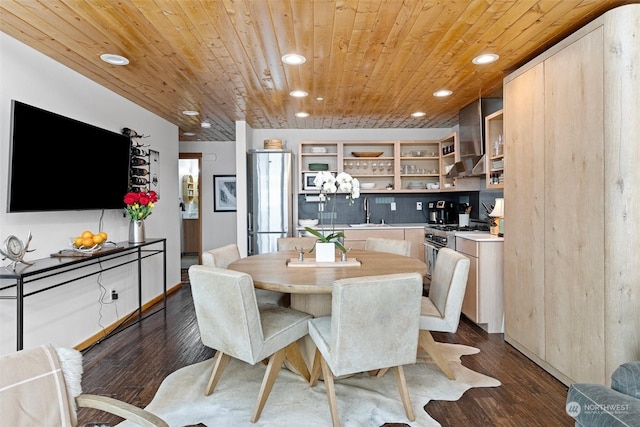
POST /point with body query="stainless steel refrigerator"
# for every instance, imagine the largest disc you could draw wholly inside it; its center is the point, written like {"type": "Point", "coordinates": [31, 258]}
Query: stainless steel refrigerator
{"type": "Point", "coordinates": [269, 198]}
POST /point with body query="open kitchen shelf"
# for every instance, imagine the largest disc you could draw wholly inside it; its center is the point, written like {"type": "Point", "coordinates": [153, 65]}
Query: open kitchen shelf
{"type": "Point", "coordinates": [399, 166]}
{"type": "Point", "coordinates": [494, 131]}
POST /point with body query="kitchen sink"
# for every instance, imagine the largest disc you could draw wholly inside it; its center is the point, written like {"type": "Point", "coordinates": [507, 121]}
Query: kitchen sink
{"type": "Point", "coordinates": [367, 225]}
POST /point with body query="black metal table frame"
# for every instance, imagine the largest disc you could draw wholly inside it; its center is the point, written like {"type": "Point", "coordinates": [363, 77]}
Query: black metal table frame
{"type": "Point", "coordinates": [49, 267]}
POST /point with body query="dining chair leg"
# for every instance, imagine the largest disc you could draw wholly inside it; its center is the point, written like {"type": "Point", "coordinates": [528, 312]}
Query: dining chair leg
{"type": "Point", "coordinates": [315, 370]}
{"type": "Point", "coordinates": [331, 392]}
{"type": "Point", "coordinates": [270, 375]}
{"type": "Point", "coordinates": [381, 372]}
{"type": "Point", "coordinates": [404, 392]}
{"type": "Point", "coordinates": [220, 361]}
{"type": "Point", "coordinates": [293, 354]}
{"type": "Point", "coordinates": [426, 341]}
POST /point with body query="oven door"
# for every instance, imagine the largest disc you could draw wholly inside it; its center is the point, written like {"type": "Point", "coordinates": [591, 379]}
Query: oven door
{"type": "Point", "coordinates": [430, 255]}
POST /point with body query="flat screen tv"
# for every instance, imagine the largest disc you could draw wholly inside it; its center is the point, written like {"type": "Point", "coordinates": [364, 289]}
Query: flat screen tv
{"type": "Point", "coordinates": [61, 164]}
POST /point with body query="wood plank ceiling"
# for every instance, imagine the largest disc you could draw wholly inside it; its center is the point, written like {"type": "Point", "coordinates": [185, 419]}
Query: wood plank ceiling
{"type": "Point", "coordinates": [372, 62]}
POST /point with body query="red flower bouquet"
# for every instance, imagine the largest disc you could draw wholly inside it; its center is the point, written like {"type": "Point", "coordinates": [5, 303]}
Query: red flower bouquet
{"type": "Point", "coordinates": [139, 205]}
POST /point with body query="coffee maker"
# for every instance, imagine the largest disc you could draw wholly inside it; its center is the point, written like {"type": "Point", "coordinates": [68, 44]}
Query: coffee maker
{"type": "Point", "coordinates": [433, 213]}
{"type": "Point", "coordinates": [442, 212]}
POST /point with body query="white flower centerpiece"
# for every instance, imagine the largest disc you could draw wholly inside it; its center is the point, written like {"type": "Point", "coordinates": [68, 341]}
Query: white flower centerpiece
{"type": "Point", "coordinates": [332, 185]}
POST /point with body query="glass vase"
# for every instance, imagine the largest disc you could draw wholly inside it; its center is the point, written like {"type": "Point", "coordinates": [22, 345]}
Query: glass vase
{"type": "Point", "coordinates": [136, 231]}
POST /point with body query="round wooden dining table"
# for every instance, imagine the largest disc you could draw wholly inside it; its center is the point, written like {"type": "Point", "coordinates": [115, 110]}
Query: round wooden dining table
{"type": "Point", "coordinates": [310, 286]}
{"type": "Point", "coordinates": [272, 271]}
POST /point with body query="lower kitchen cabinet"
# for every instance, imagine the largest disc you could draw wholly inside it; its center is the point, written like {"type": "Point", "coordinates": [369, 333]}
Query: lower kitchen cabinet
{"type": "Point", "coordinates": [483, 298]}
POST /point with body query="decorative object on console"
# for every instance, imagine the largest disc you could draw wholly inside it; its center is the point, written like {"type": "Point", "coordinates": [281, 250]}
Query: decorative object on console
{"type": "Point", "coordinates": [328, 184]}
{"type": "Point", "coordinates": [15, 250]}
{"type": "Point", "coordinates": [138, 207]}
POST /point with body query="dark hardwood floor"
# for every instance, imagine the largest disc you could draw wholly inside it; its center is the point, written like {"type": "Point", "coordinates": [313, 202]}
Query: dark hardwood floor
{"type": "Point", "coordinates": [131, 365]}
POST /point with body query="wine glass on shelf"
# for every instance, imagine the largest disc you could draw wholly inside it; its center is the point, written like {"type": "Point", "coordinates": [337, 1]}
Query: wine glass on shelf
{"type": "Point", "coordinates": [365, 166]}
{"type": "Point", "coordinates": [357, 164]}
{"type": "Point", "coordinates": [350, 164]}
{"type": "Point", "coordinates": [389, 167]}
{"type": "Point", "coordinates": [374, 167]}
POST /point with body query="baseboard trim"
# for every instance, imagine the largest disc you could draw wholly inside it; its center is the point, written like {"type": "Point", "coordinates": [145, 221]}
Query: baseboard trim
{"type": "Point", "coordinates": [108, 329]}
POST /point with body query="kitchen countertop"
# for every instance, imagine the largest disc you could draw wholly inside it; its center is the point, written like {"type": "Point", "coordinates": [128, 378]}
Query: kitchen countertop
{"type": "Point", "coordinates": [479, 236]}
{"type": "Point", "coordinates": [377, 227]}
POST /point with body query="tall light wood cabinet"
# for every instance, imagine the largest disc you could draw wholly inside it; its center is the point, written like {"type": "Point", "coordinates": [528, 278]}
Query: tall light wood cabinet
{"type": "Point", "coordinates": [572, 202]}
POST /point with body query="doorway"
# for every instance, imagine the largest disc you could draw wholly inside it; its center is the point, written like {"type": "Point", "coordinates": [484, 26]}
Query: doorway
{"type": "Point", "coordinates": [189, 168]}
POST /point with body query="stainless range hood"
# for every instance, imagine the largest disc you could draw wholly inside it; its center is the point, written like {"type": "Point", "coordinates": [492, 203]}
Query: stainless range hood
{"type": "Point", "coordinates": [470, 166]}
{"type": "Point", "coordinates": [471, 137]}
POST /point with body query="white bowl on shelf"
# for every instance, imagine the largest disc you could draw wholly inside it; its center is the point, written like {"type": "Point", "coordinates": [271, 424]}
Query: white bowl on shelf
{"type": "Point", "coordinates": [318, 149]}
{"type": "Point", "coordinates": [367, 185]}
{"type": "Point", "coordinates": [307, 222]}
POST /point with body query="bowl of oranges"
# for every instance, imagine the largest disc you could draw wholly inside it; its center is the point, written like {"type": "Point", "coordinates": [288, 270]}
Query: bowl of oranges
{"type": "Point", "coordinates": [89, 242]}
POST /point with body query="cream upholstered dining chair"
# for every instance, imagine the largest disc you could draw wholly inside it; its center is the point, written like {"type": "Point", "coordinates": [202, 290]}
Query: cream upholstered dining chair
{"type": "Point", "coordinates": [441, 310]}
{"type": "Point", "coordinates": [373, 325]}
{"type": "Point", "coordinates": [393, 246]}
{"type": "Point", "coordinates": [230, 322]}
{"type": "Point", "coordinates": [223, 256]}
{"type": "Point", "coordinates": [292, 243]}
{"type": "Point", "coordinates": [42, 386]}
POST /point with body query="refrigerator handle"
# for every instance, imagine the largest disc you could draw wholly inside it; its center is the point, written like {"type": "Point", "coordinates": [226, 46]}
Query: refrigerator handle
{"type": "Point", "coordinates": [249, 221]}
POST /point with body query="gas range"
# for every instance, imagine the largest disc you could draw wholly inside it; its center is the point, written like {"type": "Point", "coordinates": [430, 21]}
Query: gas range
{"type": "Point", "coordinates": [443, 235]}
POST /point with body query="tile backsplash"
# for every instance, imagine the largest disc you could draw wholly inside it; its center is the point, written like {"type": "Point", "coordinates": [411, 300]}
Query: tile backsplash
{"type": "Point", "coordinates": [380, 207]}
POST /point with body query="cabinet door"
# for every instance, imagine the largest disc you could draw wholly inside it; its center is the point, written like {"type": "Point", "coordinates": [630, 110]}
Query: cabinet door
{"type": "Point", "coordinates": [470, 302]}
{"type": "Point", "coordinates": [574, 236]}
{"type": "Point", "coordinates": [416, 237]}
{"type": "Point", "coordinates": [524, 222]}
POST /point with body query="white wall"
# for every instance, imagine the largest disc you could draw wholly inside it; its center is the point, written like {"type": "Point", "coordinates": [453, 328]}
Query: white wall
{"type": "Point", "coordinates": [70, 314]}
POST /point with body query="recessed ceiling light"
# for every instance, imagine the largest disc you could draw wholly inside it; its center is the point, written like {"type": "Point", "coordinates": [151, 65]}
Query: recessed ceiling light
{"type": "Point", "coordinates": [190, 113]}
{"type": "Point", "coordinates": [320, 98]}
{"type": "Point", "coordinates": [298, 93]}
{"type": "Point", "coordinates": [302, 114]}
{"type": "Point", "coordinates": [442, 92]}
{"type": "Point", "coordinates": [418, 114]}
{"type": "Point", "coordinates": [205, 125]}
{"type": "Point", "coordinates": [189, 133]}
{"type": "Point", "coordinates": [113, 59]}
{"type": "Point", "coordinates": [486, 58]}
{"type": "Point", "coordinates": [293, 59]}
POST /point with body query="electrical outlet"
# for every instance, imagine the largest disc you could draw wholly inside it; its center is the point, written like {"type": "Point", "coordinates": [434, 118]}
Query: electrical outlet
{"type": "Point", "coordinates": [418, 206]}
{"type": "Point", "coordinates": [393, 206]}
{"type": "Point", "coordinates": [114, 294]}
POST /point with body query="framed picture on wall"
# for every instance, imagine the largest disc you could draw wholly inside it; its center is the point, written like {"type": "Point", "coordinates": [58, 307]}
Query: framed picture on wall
{"type": "Point", "coordinates": [224, 193]}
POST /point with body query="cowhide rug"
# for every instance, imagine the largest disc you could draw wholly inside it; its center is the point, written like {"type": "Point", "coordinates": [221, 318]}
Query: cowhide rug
{"type": "Point", "coordinates": [362, 400]}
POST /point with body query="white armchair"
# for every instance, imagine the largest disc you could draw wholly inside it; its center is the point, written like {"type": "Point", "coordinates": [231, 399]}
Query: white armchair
{"type": "Point", "coordinates": [223, 256]}
{"type": "Point", "coordinates": [42, 386]}
{"type": "Point", "coordinates": [373, 325]}
{"type": "Point", "coordinates": [230, 322]}
{"type": "Point", "coordinates": [441, 309]}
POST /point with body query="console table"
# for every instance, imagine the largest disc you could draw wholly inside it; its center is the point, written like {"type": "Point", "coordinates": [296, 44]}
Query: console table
{"type": "Point", "coordinates": [124, 253]}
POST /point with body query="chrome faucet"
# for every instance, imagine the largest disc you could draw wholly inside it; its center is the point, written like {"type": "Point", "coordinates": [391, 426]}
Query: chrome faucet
{"type": "Point", "coordinates": [367, 212]}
